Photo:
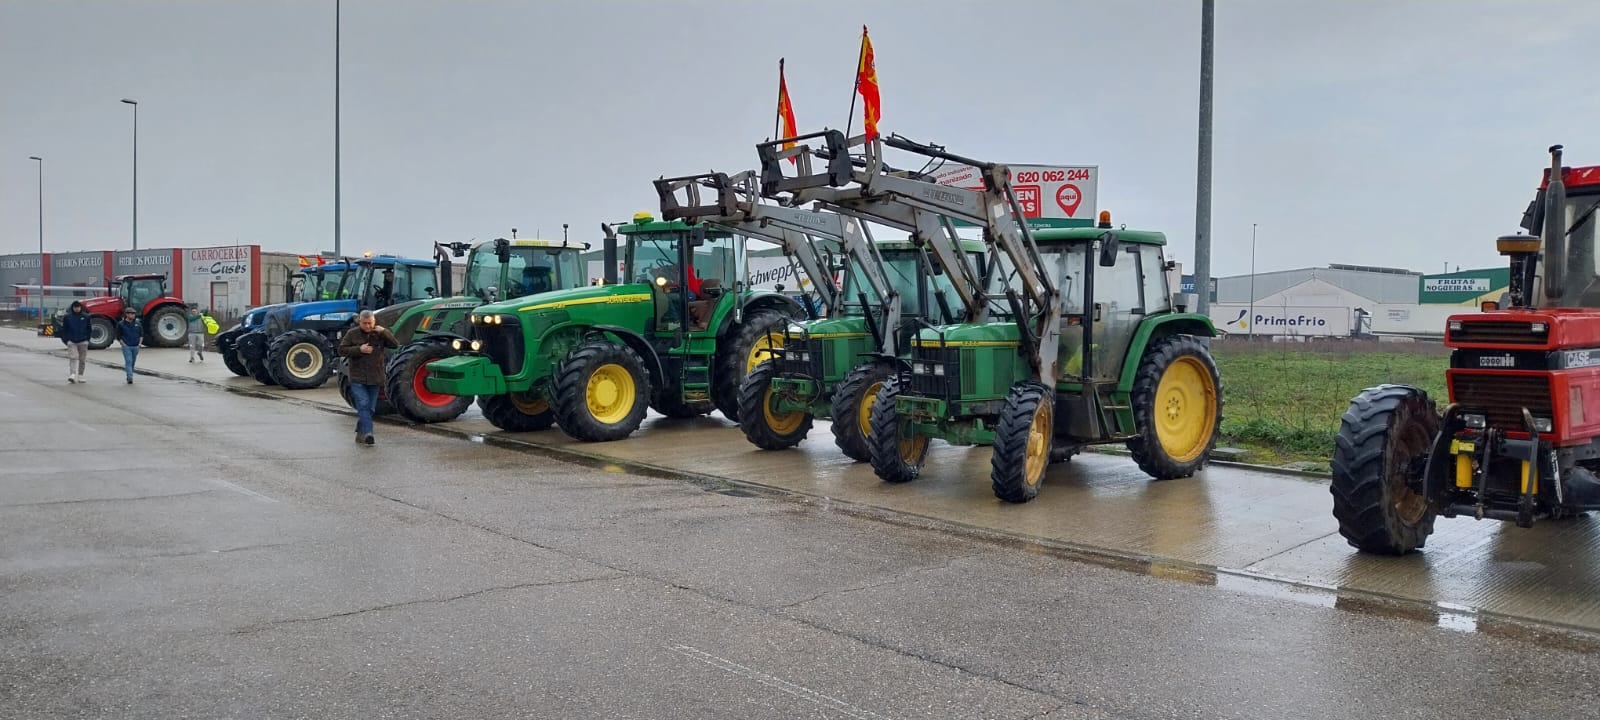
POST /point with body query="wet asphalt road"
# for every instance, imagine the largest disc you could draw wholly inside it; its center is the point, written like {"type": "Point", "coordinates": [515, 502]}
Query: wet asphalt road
{"type": "Point", "coordinates": [169, 549]}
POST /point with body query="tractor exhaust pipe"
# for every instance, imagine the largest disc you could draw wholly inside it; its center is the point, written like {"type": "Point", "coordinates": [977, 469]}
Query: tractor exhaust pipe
{"type": "Point", "coordinates": [1555, 232]}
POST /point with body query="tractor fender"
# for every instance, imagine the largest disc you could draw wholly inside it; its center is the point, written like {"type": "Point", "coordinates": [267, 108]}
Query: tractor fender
{"type": "Point", "coordinates": [764, 301]}
{"type": "Point", "coordinates": [162, 302]}
{"type": "Point", "coordinates": [646, 351]}
{"type": "Point", "coordinates": [1154, 329]}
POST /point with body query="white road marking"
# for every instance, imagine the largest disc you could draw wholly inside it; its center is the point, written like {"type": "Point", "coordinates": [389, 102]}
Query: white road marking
{"type": "Point", "coordinates": [81, 426]}
{"type": "Point", "coordinates": [798, 691]}
{"type": "Point", "coordinates": [242, 490]}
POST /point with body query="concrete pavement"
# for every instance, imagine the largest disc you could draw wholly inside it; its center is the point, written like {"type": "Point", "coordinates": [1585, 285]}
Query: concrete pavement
{"type": "Point", "coordinates": [1228, 525]}
{"type": "Point", "coordinates": [167, 551]}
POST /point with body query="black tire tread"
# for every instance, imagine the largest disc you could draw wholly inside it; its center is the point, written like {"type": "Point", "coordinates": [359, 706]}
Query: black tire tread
{"type": "Point", "coordinates": [152, 339]}
{"type": "Point", "coordinates": [728, 371]}
{"type": "Point", "coordinates": [846, 402]}
{"type": "Point", "coordinates": [1007, 466]}
{"type": "Point", "coordinates": [398, 375]}
{"type": "Point", "coordinates": [1146, 447]}
{"type": "Point", "coordinates": [885, 437]}
{"type": "Point", "coordinates": [752, 418]}
{"type": "Point", "coordinates": [1358, 465]}
{"type": "Point", "coordinates": [567, 391]}
{"type": "Point", "coordinates": [277, 357]}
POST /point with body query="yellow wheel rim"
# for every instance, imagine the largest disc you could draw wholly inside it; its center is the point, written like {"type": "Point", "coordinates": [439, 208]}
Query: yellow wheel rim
{"type": "Point", "coordinates": [1186, 409]}
{"type": "Point", "coordinates": [761, 351]}
{"type": "Point", "coordinates": [1038, 451]}
{"type": "Point", "coordinates": [780, 423]}
{"type": "Point", "coordinates": [864, 410]}
{"type": "Point", "coordinates": [913, 448]}
{"type": "Point", "coordinates": [529, 404]}
{"type": "Point", "coordinates": [610, 393]}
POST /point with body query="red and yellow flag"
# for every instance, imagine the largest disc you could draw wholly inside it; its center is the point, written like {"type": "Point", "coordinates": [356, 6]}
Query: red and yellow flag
{"type": "Point", "coordinates": [867, 85]}
{"type": "Point", "coordinates": [304, 262]}
{"type": "Point", "coordinates": [786, 111]}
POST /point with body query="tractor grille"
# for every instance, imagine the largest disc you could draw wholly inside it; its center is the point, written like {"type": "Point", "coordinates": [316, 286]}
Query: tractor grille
{"type": "Point", "coordinates": [791, 363]}
{"type": "Point", "coordinates": [503, 344]}
{"type": "Point", "coordinates": [926, 380]}
{"type": "Point", "coordinates": [1502, 397]}
{"type": "Point", "coordinates": [1510, 332]}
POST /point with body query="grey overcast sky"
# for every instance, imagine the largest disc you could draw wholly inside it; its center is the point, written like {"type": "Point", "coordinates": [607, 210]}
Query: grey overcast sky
{"type": "Point", "coordinates": [1404, 134]}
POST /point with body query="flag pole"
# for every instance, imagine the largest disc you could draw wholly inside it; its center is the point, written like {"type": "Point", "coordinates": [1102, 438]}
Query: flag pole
{"type": "Point", "coordinates": [777, 115]}
{"type": "Point", "coordinates": [856, 87]}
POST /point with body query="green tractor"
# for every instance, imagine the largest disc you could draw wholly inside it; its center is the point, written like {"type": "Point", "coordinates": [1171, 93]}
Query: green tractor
{"type": "Point", "coordinates": [822, 367]}
{"type": "Point", "coordinates": [428, 329]}
{"type": "Point", "coordinates": [1088, 347]}
{"type": "Point", "coordinates": [679, 336]}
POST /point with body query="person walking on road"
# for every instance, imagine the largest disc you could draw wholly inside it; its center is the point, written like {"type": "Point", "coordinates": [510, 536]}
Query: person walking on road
{"type": "Point", "coordinates": [362, 349]}
{"type": "Point", "coordinates": [74, 333]}
{"type": "Point", "coordinates": [129, 333]}
{"type": "Point", "coordinates": [197, 333]}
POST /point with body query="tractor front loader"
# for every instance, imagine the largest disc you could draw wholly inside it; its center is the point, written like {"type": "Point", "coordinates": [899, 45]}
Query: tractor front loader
{"type": "Point", "coordinates": [1519, 439]}
{"type": "Point", "coordinates": [1085, 348]}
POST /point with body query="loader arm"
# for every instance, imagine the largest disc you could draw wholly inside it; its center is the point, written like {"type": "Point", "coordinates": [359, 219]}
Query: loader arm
{"type": "Point", "coordinates": [927, 209]}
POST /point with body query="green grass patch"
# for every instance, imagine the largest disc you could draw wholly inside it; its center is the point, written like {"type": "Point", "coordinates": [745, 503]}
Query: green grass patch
{"type": "Point", "coordinates": [1282, 401]}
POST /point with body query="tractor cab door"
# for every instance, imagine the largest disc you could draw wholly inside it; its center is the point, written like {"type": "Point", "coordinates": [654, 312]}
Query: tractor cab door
{"type": "Point", "coordinates": [1119, 308]}
{"type": "Point", "coordinates": [140, 292]}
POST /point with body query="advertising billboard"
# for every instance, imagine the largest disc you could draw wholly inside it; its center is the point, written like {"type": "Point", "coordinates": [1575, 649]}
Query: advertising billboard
{"type": "Point", "coordinates": [224, 279]}
{"type": "Point", "coordinates": [1050, 195]}
{"type": "Point", "coordinates": [1290, 320]}
{"type": "Point", "coordinates": [89, 269]}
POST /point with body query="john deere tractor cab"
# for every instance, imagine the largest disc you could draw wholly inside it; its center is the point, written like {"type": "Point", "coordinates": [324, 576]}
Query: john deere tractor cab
{"type": "Point", "coordinates": [1085, 348]}
{"type": "Point", "coordinates": [678, 336]}
{"type": "Point", "coordinates": [294, 346]}
{"type": "Point", "coordinates": [428, 330]}
{"type": "Point", "coordinates": [1520, 437]}
{"type": "Point", "coordinates": [320, 282]}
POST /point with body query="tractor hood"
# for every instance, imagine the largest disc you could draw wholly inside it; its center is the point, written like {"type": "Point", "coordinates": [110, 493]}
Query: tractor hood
{"type": "Point", "coordinates": [996, 334]}
{"type": "Point", "coordinates": [255, 315]}
{"type": "Point", "coordinates": [836, 327]}
{"type": "Point", "coordinates": [103, 305]}
{"type": "Point", "coordinates": [601, 295]}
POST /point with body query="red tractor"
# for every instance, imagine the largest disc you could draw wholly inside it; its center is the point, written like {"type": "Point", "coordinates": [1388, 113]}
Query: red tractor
{"type": "Point", "coordinates": [166, 318]}
{"type": "Point", "coordinates": [1520, 437]}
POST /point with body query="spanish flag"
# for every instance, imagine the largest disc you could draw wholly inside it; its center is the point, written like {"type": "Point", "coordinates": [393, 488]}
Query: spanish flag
{"type": "Point", "coordinates": [304, 262]}
{"type": "Point", "coordinates": [786, 111]}
{"type": "Point", "coordinates": [867, 85]}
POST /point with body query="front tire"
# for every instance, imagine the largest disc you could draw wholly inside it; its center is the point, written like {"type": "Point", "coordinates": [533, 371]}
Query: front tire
{"type": "Point", "coordinates": [227, 347]}
{"type": "Point", "coordinates": [1022, 443]}
{"type": "Point", "coordinates": [851, 408]}
{"type": "Point", "coordinates": [894, 459]}
{"type": "Point", "coordinates": [1177, 407]}
{"type": "Point", "coordinates": [300, 359]}
{"type": "Point", "coordinates": [1385, 430]}
{"type": "Point", "coordinates": [600, 392]}
{"type": "Point", "coordinates": [762, 426]}
{"type": "Point", "coordinates": [252, 352]}
{"type": "Point", "coordinates": [750, 347]}
{"type": "Point", "coordinates": [407, 374]}
{"type": "Point", "coordinates": [517, 412]}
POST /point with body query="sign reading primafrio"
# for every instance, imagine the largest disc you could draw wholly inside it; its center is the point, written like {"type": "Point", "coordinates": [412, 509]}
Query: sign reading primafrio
{"type": "Point", "coordinates": [1050, 195]}
{"type": "Point", "coordinates": [1281, 320]}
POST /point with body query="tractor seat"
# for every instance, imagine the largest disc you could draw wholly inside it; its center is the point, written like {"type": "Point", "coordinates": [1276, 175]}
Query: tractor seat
{"type": "Point", "coordinates": [700, 314]}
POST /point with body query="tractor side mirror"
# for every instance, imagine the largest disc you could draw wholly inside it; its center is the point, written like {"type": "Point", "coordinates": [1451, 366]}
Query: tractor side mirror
{"type": "Point", "coordinates": [697, 236]}
{"type": "Point", "coordinates": [1109, 247]}
{"type": "Point", "coordinates": [502, 250]}
{"type": "Point", "coordinates": [429, 291]}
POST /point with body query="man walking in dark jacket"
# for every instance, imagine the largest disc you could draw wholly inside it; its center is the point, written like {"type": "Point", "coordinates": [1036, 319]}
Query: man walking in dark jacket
{"type": "Point", "coordinates": [74, 333]}
{"type": "Point", "coordinates": [129, 332]}
{"type": "Point", "coordinates": [362, 349]}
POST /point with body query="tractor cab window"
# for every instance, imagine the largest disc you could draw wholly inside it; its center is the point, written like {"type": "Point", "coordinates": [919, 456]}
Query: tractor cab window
{"type": "Point", "coordinates": [412, 282]}
{"type": "Point", "coordinates": [1157, 296]}
{"type": "Point", "coordinates": [1583, 216]}
{"type": "Point", "coordinates": [653, 259]}
{"type": "Point", "coordinates": [1118, 309]}
{"type": "Point", "coordinates": [531, 270]}
{"type": "Point", "coordinates": [138, 293]}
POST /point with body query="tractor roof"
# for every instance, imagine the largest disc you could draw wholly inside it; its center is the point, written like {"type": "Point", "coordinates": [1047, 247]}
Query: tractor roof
{"type": "Point", "coordinates": [532, 242]}
{"type": "Point", "coordinates": [1575, 177]}
{"type": "Point", "coordinates": [967, 244]}
{"type": "Point", "coordinates": [1047, 236]}
{"type": "Point", "coordinates": [140, 276]}
{"type": "Point", "coordinates": [645, 222]}
{"type": "Point", "coordinates": [392, 260]}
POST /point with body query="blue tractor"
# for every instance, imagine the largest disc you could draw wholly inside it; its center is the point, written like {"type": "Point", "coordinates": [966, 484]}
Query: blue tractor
{"type": "Point", "coordinates": [312, 283]}
{"type": "Point", "coordinates": [295, 344]}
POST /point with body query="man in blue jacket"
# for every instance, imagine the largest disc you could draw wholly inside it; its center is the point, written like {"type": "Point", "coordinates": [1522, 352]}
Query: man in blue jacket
{"type": "Point", "coordinates": [129, 332]}
{"type": "Point", "coordinates": [74, 333]}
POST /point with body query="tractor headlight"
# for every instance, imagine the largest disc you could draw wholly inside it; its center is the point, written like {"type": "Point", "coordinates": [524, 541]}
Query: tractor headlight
{"type": "Point", "coordinates": [456, 345]}
{"type": "Point", "coordinates": [1455, 326]}
{"type": "Point", "coordinates": [920, 368]}
{"type": "Point", "coordinates": [1543, 424]}
{"type": "Point", "coordinates": [938, 370]}
{"type": "Point", "coordinates": [1538, 328]}
{"type": "Point", "coordinates": [476, 319]}
{"type": "Point", "coordinates": [1474, 421]}
{"type": "Point", "coordinates": [802, 356]}
{"type": "Point", "coordinates": [477, 345]}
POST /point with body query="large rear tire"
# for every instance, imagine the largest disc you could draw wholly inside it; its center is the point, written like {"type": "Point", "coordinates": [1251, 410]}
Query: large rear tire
{"type": "Point", "coordinates": [167, 327]}
{"type": "Point", "coordinates": [300, 359]}
{"type": "Point", "coordinates": [600, 392]}
{"type": "Point", "coordinates": [102, 332]}
{"type": "Point", "coordinates": [894, 459]}
{"type": "Point", "coordinates": [227, 347]}
{"type": "Point", "coordinates": [1381, 436]}
{"type": "Point", "coordinates": [852, 408]}
{"type": "Point", "coordinates": [1177, 407]}
{"type": "Point", "coordinates": [407, 374]}
{"type": "Point", "coordinates": [753, 341]}
{"type": "Point", "coordinates": [1022, 443]}
{"type": "Point", "coordinates": [762, 426]}
{"type": "Point", "coordinates": [517, 412]}
{"type": "Point", "coordinates": [252, 352]}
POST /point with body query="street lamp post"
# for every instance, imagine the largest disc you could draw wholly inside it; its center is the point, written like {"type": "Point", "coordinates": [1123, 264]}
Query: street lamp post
{"type": "Point", "coordinates": [1252, 281]}
{"type": "Point", "coordinates": [40, 161]}
{"type": "Point", "coordinates": [336, 246]}
{"type": "Point", "coordinates": [135, 171]}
